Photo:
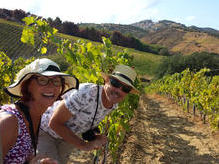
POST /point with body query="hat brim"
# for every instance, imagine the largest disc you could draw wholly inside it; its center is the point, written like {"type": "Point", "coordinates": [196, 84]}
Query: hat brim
{"type": "Point", "coordinates": [71, 82]}
{"type": "Point", "coordinates": [134, 90]}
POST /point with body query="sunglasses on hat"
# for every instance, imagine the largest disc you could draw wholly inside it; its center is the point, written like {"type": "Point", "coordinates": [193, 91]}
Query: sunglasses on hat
{"type": "Point", "coordinates": [117, 84]}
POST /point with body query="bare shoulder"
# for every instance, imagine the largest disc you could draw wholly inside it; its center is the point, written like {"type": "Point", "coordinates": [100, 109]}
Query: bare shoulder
{"type": "Point", "coordinates": [8, 131]}
{"type": "Point", "coordinates": [5, 116]}
{"type": "Point", "coordinates": [9, 122]}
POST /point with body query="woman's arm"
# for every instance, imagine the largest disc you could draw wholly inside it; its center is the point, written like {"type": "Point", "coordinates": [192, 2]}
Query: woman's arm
{"type": "Point", "coordinates": [8, 131]}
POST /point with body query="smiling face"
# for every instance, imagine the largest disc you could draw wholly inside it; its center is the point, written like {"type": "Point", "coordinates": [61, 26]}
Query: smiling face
{"type": "Point", "coordinates": [44, 93]}
{"type": "Point", "coordinates": [114, 94]}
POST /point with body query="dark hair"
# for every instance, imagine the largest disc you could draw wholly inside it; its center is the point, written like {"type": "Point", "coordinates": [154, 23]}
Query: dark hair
{"type": "Point", "coordinates": [63, 88]}
{"type": "Point", "coordinates": [26, 95]}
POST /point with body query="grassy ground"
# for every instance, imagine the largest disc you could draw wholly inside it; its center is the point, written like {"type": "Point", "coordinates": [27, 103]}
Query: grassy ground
{"type": "Point", "coordinates": [145, 63]}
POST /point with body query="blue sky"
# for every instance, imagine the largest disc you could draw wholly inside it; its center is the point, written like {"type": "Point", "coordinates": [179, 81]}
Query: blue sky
{"type": "Point", "coordinates": [201, 13]}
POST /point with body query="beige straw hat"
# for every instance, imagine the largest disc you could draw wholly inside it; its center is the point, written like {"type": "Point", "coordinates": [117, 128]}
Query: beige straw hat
{"type": "Point", "coordinates": [44, 67]}
{"type": "Point", "coordinates": [124, 74]}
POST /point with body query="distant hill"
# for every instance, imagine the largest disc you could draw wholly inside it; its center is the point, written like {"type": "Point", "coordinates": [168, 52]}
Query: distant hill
{"type": "Point", "coordinates": [151, 26]}
{"type": "Point", "coordinates": [178, 37]}
{"type": "Point", "coordinates": [124, 29]}
{"type": "Point", "coordinates": [164, 37]}
{"type": "Point", "coordinates": [92, 32]}
{"type": "Point", "coordinates": [175, 36]}
{"type": "Point", "coordinates": [10, 33]}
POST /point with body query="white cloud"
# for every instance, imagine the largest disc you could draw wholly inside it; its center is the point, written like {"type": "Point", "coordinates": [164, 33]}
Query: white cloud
{"type": "Point", "coordinates": [190, 18]}
{"type": "Point", "coordinates": [98, 11]}
{"type": "Point", "coordinates": [113, 11]}
{"type": "Point", "coordinates": [17, 4]}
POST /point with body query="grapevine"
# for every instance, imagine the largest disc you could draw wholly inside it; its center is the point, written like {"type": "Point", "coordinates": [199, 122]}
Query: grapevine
{"type": "Point", "coordinates": [87, 60]}
{"type": "Point", "coordinates": [196, 88]}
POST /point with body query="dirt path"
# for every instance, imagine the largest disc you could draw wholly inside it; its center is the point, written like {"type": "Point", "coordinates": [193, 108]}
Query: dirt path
{"type": "Point", "coordinates": [163, 134]}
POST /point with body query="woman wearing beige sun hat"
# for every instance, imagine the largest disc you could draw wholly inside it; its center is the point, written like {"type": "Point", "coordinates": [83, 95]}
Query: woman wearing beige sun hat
{"type": "Point", "coordinates": [37, 86]}
{"type": "Point", "coordinates": [70, 122]}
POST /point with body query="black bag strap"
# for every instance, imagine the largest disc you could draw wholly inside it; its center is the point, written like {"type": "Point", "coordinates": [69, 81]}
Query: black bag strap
{"type": "Point", "coordinates": [25, 110]}
{"type": "Point", "coordinates": [98, 88]}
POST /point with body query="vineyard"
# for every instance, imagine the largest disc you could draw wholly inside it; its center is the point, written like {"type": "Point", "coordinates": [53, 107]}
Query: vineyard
{"type": "Point", "coordinates": [143, 61]}
{"type": "Point", "coordinates": [194, 90]}
{"type": "Point", "coordinates": [86, 60]}
{"type": "Point", "coordinates": [10, 41]}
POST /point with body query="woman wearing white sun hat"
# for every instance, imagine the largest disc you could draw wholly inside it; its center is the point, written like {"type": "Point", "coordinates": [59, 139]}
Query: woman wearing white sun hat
{"type": "Point", "coordinates": [80, 111]}
{"type": "Point", "coordinates": [37, 86]}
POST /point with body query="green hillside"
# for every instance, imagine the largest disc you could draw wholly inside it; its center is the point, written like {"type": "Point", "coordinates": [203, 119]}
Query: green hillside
{"type": "Point", "coordinates": [9, 40]}
{"type": "Point", "coordinates": [10, 33]}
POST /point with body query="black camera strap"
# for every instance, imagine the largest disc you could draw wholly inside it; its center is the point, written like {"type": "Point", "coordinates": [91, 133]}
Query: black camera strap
{"type": "Point", "coordinates": [25, 110]}
{"type": "Point", "coordinates": [98, 88]}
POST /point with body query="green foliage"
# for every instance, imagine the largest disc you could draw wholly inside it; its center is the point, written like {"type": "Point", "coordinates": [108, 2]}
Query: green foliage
{"type": "Point", "coordinates": [145, 63]}
{"type": "Point", "coordinates": [63, 64]}
{"type": "Point", "coordinates": [8, 69]}
{"type": "Point", "coordinates": [86, 61]}
{"type": "Point", "coordinates": [5, 66]}
{"type": "Point", "coordinates": [10, 43]}
{"type": "Point", "coordinates": [39, 27]}
{"type": "Point", "coordinates": [10, 40]}
{"type": "Point", "coordinates": [201, 90]}
{"type": "Point", "coordinates": [194, 62]}
{"type": "Point", "coordinates": [118, 124]}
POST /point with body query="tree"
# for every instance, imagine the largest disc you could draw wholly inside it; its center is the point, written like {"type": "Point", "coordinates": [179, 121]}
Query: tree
{"type": "Point", "coordinates": [118, 39]}
{"type": "Point", "coordinates": [194, 62]}
{"type": "Point", "coordinates": [164, 52]}
{"type": "Point", "coordinates": [69, 28]}
{"type": "Point", "coordinates": [4, 13]}
{"type": "Point", "coordinates": [19, 14]}
{"type": "Point", "coordinates": [57, 23]}
{"type": "Point", "coordinates": [50, 21]}
{"type": "Point", "coordinates": [91, 34]}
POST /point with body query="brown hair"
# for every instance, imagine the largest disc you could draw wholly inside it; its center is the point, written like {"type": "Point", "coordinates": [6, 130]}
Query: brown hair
{"type": "Point", "coordinates": [26, 95]}
{"type": "Point", "coordinates": [63, 88]}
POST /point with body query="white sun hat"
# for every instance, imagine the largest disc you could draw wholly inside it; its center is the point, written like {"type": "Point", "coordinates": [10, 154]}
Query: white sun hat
{"type": "Point", "coordinates": [44, 67]}
{"type": "Point", "coordinates": [124, 74]}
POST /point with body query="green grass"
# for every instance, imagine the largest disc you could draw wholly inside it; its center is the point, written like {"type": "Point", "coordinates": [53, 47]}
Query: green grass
{"type": "Point", "coordinates": [10, 23]}
{"type": "Point", "coordinates": [10, 33]}
{"type": "Point", "coordinates": [145, 63]}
